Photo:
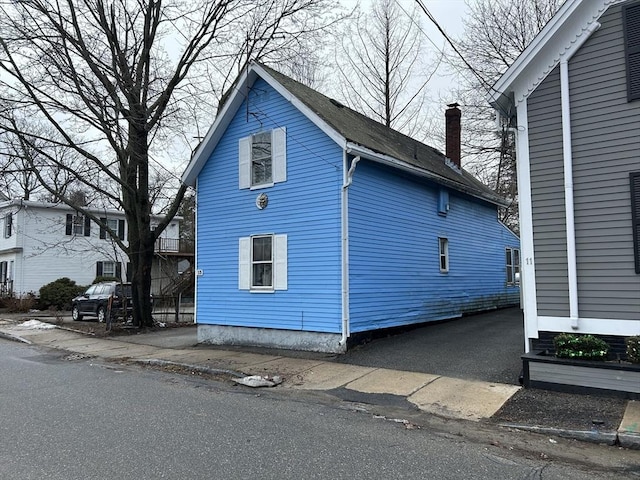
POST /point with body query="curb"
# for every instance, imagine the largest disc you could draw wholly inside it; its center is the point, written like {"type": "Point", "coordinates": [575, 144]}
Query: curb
{"type": "Point", "coordinates": [15, 338]}
{"type": "Point", "coordinates": [591, 436]}
{"type": "Point", "coordinates": [196, 368]}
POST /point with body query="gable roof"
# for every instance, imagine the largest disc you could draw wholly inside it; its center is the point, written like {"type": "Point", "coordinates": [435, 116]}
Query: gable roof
{"type": "Point", "coordinates": [354, 132]}
{"type": "Point", "coordinates": [568, 29]}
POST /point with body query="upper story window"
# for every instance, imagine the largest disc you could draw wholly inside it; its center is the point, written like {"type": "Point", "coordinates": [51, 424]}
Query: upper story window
{"type": "Point", "coordinates": [261, 162]}
{"type": "Point", "coordinates": [513, 266]}
{"type": "Point", "coordinates": [115, 225]}
{"type": "Point", "coordinates": [262, 159]}
{"type": "Point", "coordinates": [631, 22]}
{"type": "Point", "coordinates": [8, 225]}
{"type": "Point", "coordinates": [77, 224]}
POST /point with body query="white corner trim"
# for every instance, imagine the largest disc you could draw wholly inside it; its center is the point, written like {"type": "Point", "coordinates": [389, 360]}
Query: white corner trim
{"type": "Point", "coordinates": [596, 326]}
{"type": "Point", "coordinates": [528, 272]}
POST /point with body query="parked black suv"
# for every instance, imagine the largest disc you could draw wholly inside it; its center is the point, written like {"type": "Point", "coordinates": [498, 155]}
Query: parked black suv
{"type": "Point", "coordinates": [94, 302]}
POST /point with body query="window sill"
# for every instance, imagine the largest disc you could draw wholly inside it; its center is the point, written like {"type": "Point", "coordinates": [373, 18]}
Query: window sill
{"type": "Point", "coordinates": [258, 187]}
{"type": "Point", "coordinates": [261, 290]}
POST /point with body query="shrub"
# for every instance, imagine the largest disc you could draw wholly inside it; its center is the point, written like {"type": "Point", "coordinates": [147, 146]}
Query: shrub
{"type": "Point", "coordinates": [59, 293]}
{"type": "Point", "coordinates": [21, 304]}
{"type": "Point", "coordinates": [633, 349]}
{"type": "Point", "coordinates": [581, 347]}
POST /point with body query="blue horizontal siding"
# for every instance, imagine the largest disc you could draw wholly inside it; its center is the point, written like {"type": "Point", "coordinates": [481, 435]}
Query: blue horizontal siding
{"type": "Point", "coordinates": [306, 208]}
{"type": "Point", "coordinates": [394, 269]}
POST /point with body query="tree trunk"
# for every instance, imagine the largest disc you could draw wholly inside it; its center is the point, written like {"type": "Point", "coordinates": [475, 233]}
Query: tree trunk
{"type": "Point", "coordinates": [141, 257]}
{"type": "Point", "coordinates": [138, 208]}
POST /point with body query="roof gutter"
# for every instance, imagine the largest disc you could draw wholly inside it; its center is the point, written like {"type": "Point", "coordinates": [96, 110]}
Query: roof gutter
{"type": "Point", "coordinates": [347, 180]}
{"type": "Point", "coordinates": [359, 150]}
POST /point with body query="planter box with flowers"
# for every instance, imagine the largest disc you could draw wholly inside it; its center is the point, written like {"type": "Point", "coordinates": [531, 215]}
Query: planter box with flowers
{"type": "Point", "coordinates": [580, 364]}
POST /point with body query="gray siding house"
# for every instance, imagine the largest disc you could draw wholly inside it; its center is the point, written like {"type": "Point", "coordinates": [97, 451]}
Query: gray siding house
{"type": "Point", "coordinates": [573, 99]}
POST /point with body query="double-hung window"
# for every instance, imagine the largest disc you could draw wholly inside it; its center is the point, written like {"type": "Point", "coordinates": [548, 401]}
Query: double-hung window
{"type": "Point", "coordinates": [109, 269]}
{"type": "Point", "coordinates": [262, 159]}
{"type": "Point", "coordinates": [513, 266]}
{"type": "Point", "coordinates": [263, 263]}
{"type": "Point", "coordinates": [443, 248]}
{"type": "Point", "coordinates": [8, 225]}
{"type": "Point", "coordinates": [78, 225]}
{"type": "Point", "coordinates": [115, 225]}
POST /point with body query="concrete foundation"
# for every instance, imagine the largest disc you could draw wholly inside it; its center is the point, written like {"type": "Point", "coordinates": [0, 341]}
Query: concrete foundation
{"type": "Point", "coordinates": [270, 338]}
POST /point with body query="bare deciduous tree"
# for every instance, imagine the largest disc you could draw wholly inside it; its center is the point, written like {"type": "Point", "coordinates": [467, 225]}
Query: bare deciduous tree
{"type": "Point", "coordinates": [496, 32]}
{"type": "Point", "coordinates": [382, 73]}
{"type": "Point", "coordinates": [114, 81]}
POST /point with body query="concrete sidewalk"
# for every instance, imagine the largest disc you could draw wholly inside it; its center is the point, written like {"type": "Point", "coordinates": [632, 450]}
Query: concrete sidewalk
{"type": "Point", "coordinates": [437, 394]}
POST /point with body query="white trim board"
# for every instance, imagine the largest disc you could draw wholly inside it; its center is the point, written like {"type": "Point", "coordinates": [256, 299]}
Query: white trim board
{"type": "Point", "coordinates": [599, 326]}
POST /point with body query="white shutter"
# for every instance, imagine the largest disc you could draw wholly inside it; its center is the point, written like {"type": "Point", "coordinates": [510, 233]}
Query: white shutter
{"type": "Point", "coordinates": [280, 262]}
{"type": "Point", "coordinates": [244, 263]}
{"type": "Point", "coordinates": [279, 154]}
{"type": "Point", "coordinates": [244, 162]}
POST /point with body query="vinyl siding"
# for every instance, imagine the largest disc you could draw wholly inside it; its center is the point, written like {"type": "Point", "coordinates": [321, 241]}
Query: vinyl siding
{"type": "Point", "coordinates": [606, 147]}
{"type": "Point", "coordinates": [395, 277]}
{"type": "Point", "coordinates": [306, 207]}
{"type": "Point", "coordinates": [547, 197]}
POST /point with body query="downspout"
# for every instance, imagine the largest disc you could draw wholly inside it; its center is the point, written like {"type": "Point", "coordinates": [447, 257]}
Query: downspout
{"type": "Point", "coordinates": [572, 269]}
{"type": "Point", "coordinates": [347, 179]}
{"type": "Point", "coordinates": [194, 266]}
{"type": "Point", "coordinates": [567, 153]}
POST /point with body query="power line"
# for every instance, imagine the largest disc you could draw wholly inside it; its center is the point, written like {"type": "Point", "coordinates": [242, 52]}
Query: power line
{"type": "Point", "coordinates": [482, 80]}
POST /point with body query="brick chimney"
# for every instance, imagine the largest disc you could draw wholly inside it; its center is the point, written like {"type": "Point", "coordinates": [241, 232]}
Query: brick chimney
{"type": "Point", "coordinates": [452, 132]}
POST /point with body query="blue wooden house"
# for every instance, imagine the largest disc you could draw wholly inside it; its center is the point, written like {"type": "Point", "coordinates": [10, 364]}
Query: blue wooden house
{"type": "Point", "coordinates": [315, 223]}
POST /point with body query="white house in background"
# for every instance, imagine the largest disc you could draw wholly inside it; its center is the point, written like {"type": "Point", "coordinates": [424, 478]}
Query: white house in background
{"type": "Point", "coordinates": [41, 242]}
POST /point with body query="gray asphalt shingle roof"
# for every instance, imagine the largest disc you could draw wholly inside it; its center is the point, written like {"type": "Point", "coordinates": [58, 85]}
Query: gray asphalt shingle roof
{"type": "Point", "coordinates": [368, 133]}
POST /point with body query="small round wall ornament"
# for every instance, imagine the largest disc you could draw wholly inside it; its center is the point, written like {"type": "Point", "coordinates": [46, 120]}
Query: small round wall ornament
{"type": "Point", "coordinates": [262, 201]}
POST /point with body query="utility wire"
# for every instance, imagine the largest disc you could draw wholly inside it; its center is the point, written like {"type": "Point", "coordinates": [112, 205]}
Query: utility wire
{"type": "Point", "coordinates": [482, 80]}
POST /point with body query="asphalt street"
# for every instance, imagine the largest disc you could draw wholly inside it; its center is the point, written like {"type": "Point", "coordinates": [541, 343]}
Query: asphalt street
{"type": "Point", "coordinates": [68, 417]}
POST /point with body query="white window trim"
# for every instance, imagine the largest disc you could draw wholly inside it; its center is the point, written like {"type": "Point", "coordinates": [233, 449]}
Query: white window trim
{"type": "Point", "coordinates": [443, 252]}
{"type": "Point", "coordinates": [271, 262]}
{"type": "Point", "coordinates": [279, 262]}
{"type": "Point", "coordinates": [278, 160]}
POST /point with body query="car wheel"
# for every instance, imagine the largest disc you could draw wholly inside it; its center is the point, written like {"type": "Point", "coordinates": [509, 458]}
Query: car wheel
{"type": "Point", "coordinates": [75, 313]}
{"type": "Point", "coordinates": [101, 314]}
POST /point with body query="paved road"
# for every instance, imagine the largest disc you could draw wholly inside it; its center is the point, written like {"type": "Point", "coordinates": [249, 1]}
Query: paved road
{"type": "Point", "coordinates": [70, 418]}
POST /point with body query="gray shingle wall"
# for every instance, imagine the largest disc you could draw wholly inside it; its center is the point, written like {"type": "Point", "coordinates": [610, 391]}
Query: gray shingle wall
{"type": "Point", "coordinates": [606, 147]}
{"type": "Point", "coordinates": [547, 195]}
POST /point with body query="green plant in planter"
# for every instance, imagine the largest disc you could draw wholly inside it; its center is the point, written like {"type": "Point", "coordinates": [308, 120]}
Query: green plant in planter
{"type": "Point", "coordinates": [633, 349]}
{"type": "Point", "coordinates": [580, 347]}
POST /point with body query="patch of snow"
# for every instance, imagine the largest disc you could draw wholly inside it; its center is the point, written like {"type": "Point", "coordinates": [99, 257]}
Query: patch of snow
{"type": "Point", "coordinates": [36, 325]}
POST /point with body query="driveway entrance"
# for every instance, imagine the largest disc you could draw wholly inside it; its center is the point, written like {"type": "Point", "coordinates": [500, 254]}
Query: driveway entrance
{"type": "Point", "coordinates": [484, 346]}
